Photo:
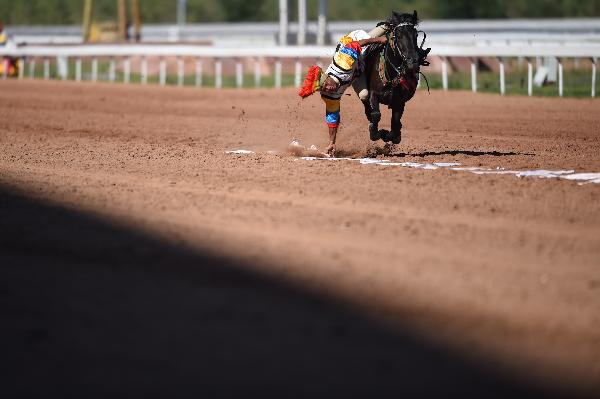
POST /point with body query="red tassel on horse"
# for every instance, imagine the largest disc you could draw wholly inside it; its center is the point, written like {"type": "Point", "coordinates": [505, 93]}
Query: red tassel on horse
{"type": "Point", "coordinates": [312, 82]}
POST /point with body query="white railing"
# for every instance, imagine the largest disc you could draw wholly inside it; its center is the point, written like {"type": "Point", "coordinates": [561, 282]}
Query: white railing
{"type": "Point", "coordinates": [124, 52]}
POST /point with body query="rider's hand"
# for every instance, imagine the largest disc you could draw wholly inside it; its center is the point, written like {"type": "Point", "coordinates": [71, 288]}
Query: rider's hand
{"type": "Point", "coordinates": [382, 40]}
{"type": "Point", "coordinates": [330, 150]}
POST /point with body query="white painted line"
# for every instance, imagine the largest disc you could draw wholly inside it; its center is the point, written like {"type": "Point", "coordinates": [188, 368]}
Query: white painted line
{"type": "Point", "coordinates": [581, 178]}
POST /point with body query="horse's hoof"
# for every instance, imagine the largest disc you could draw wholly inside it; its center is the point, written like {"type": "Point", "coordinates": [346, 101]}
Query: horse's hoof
{"type": "Point", "coordinates": [385, 135]}
{"type": "Point", "coordinates": [373, 132]}
{"type": "Point", "coordinates": [396, 138]}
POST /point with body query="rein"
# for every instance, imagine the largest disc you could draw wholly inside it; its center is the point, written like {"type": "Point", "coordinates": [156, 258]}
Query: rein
{"type": "Point", "coordinates": [400, 70]}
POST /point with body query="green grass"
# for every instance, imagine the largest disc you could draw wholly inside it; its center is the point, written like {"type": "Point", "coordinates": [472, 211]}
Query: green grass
{"type": "Point", "coordinates": [577, 82]}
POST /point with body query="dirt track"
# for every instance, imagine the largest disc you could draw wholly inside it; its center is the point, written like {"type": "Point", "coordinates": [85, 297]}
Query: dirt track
{"type": "Point", "coordinates": [138, 257]}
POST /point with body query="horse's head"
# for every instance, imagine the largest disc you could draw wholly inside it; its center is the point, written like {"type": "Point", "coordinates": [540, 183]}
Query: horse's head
{"type": "Point", "coordinates": [403, 39]}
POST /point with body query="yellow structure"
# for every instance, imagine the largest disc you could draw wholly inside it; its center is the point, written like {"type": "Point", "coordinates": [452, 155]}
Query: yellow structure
{"type": "Point", "coordinates": [111, 31]}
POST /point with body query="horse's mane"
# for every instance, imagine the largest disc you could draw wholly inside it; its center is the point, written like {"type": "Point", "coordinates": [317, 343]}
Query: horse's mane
{"type": "Point", "coordinates": [401, 18]}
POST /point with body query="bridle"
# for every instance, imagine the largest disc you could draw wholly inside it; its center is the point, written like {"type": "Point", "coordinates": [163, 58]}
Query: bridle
{"type": "Point", "coordinates": [400, 70]}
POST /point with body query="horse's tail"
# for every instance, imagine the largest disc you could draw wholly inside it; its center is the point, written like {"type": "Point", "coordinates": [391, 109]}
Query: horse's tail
{"type": "Point", "coordinates": [312, 82]}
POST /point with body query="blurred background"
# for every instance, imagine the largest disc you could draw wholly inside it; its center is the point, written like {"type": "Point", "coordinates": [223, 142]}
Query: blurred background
{"type": "Point", "coordinates": [70, 12]}
{"type": "Point", "coordinates": [271, 23]}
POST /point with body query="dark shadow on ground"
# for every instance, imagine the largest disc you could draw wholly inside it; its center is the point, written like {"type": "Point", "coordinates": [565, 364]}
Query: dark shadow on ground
{"type": "Point", "coordinates": [88, 309]}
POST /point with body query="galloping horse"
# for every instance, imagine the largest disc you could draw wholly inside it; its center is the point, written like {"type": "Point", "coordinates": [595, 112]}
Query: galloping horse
{"type": "Point", "coordinates": [393, 74]}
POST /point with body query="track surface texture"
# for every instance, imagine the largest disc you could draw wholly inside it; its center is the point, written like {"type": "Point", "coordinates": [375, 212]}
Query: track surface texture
{"type": "Point", "coordinates": [138, 259]}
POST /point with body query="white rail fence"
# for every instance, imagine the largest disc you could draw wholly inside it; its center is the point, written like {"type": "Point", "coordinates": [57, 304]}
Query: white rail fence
{"type": "Point", "coordinates": [301, 57]}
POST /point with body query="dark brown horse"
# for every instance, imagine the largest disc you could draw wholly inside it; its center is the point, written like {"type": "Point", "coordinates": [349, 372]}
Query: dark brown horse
{"type": "Point", "coordinates": [392, 72]}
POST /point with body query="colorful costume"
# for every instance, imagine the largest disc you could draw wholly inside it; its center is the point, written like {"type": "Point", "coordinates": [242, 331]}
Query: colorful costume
{"type": "Point", "coordinates": [346, 65]}
{"type": "Point", "coordinates": [346, 69]}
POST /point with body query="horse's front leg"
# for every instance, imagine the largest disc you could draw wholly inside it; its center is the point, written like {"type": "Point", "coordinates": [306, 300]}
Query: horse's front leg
{"type": "Point", "coordinates": [396, 134]}
{"type": "Point", "coordinates": [375, 117]}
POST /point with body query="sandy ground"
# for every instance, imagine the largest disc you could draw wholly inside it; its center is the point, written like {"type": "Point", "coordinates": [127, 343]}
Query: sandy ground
{"type": "Point", "coordinates": [138, 259]}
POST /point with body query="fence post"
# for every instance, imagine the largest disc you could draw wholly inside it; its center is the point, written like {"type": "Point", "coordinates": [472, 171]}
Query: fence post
{"type": "Point", "coordinates": [594, 61]}
{"type": "Point", "coordinates": [112, 71]}
{"type": "Point", "coordinates": [257, 73]}
{"type": "Point", "coordinates": [126, 70]}
{"type": "Point", "coordinates": [474, 75]}
{"type": "Point", "coordinates": [199, 72]}
{"type": "Point", "coordinates": [162, 71]}
{"type": "Point", "coordinates": [529, 77]}
{"type": "Point", "coordinates": [21, 63]}
{"type": "Point", "coordinates": [301, 40]}
{"type": "Point", "coordinates": [239, 74]}
{"type": "Point", "coordinates": [144, 70]}
{"type": "Point", "coordinates": [5, 66]}
{"type": "Point", "coordinates": [560, 77]}
{"type": "Point", "coordinates": [218, 73]}
{"type": "Point", "coordinates": [278, 74]}
{"type": "Point", "coordinates": [78, 71]}
{"type": "Point", "coordinates": [32, 68]}
{"type": "Point", "coordinates": [180, 71]}
{"type": "Point", "coordinates": [445, 74]}
{"type": "Point", "coordinates": [298, 73]}
{"type": "Point", "coordinates": [46, 68]}
{"type": "Point", "coordinates": [502, 77]}
{"type": "Point", "coordinates": [94, 69]}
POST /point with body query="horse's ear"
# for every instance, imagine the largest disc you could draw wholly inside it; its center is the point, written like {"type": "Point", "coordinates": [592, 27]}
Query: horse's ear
{"type": "Point", "coordinates": [415, 17]}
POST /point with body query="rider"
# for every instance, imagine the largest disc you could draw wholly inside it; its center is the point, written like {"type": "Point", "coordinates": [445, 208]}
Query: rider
{"type": "Point", "coordinates": [346, 69]}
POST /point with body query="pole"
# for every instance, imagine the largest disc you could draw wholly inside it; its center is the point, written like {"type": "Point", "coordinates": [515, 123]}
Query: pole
{"type": "Point", "coordinates": [94, 69]}
{"type": "Point", "coordinates": [87, 19]}
{"type": "Point", "coordinates": [502, 78]}
{"type": "Point", "coordinates": [257, 73]}
{"type": "Point", "coordinates": [181, 13]}
{"type": "Point", "coordinates": [301, 22]}
{"type": "Point", "coordinates": [322, 23]}
{"type": "Point", "coordinates": [199, 72]}
{"type": "Point", "coordinates": [122, 20]}
{"type": "Point", "coordinates": [137, 19]}
{"type": "Point", "coordinates": [46, 68]}
{"type": "Point", "coordinates": [594, 60]}
{"type": "Point", "coordinates": [32, 68]}
{"type": "Point", "coordinates": [445, 74]}
{"type": "Point", "coordinates": [112, 70]}
{"type": "Point", "coordinates": [298, 73]}
{"type": "Point", "coordinates": [162, 72]}
{"type": "Point", "coordinates": [283, 22]}
{"type": "Point", "coordinates": [474, 75]}
{"type": "Point", "coordinates": [560, 78]}
{"type": "Point", "coordinates": [239, 74]}
{"type": "Point", "coordinates": [278, 74]}
{"type": "Point", "coordinates": [529, 78]}
{"type": "Point", "coordinates": [180, 71]}
{"type": "Point", "coordinates": [78, 70]}
{"type": "Point", "coordinates": [126, 70]}
{"type": "Point", "coordinates": [218, 74]}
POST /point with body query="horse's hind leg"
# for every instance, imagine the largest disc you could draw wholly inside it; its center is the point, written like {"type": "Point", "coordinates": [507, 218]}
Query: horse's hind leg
{"type": "Point", "coordinates": [396, 134]}
{"type": "Point", "coordinates": [374, 119]}
{"type": "Point", "coordinates": [368, 109]}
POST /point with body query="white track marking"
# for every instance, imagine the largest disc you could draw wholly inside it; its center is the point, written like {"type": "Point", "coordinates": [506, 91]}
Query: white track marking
{"type": "Point", "coordinates": [580, 178]}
